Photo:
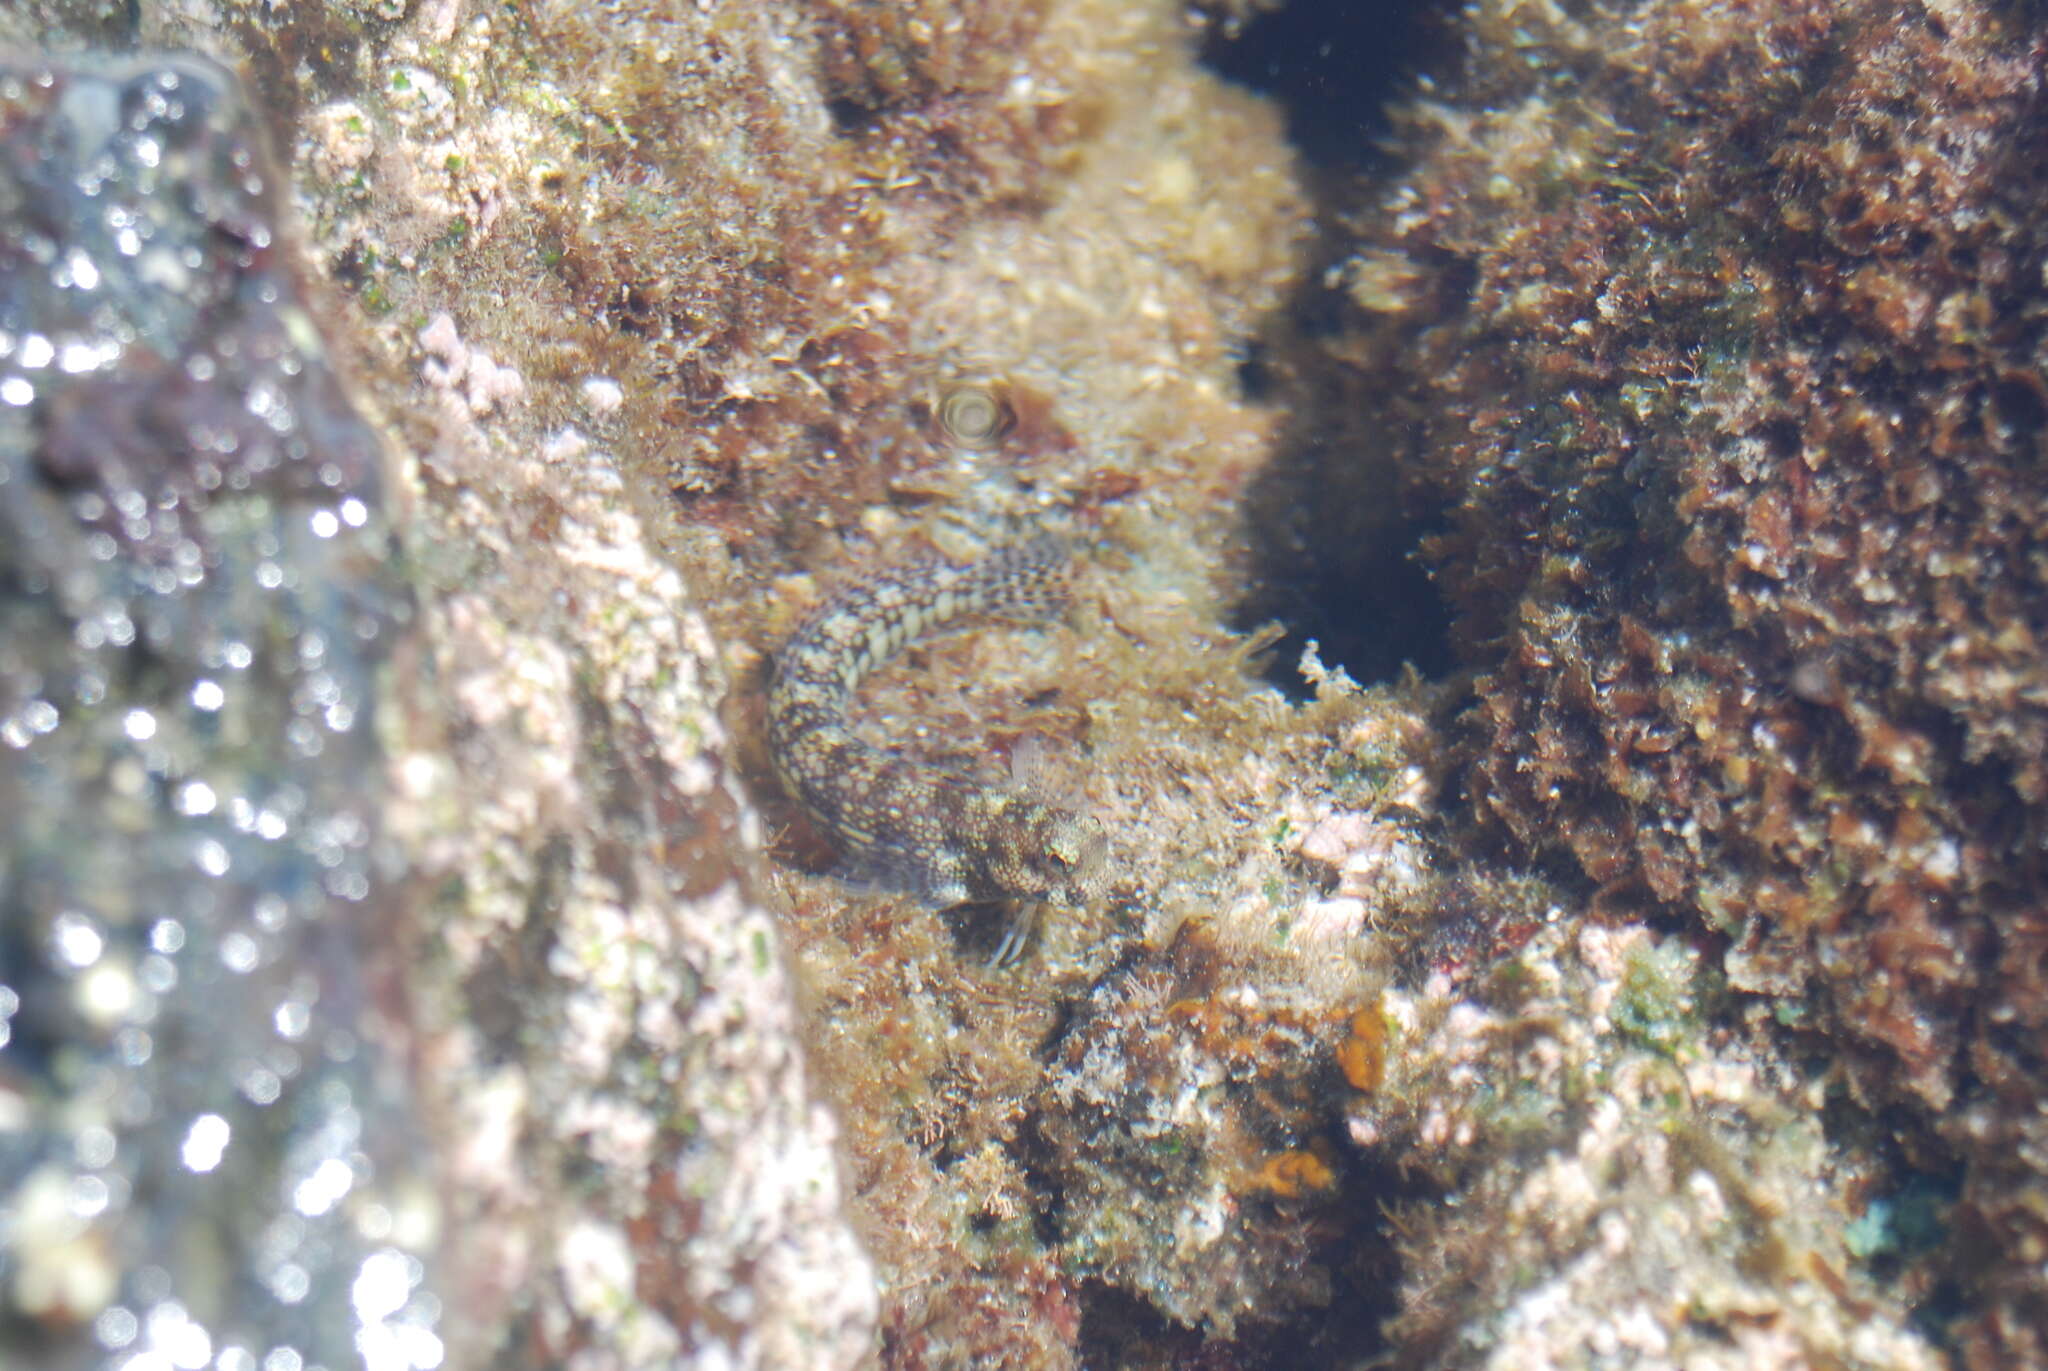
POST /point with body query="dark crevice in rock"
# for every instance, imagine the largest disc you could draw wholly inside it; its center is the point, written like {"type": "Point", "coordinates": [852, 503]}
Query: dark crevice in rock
{"type": "Point", "coordinates": [1345, 577]}
{"type": "Point", "coordinates": [1333, 67]}
{"type": "Point", "coordinates": [1120, 1329]}
{"type": "Point", "coordinates": [1336, 525]}
{"type": "Point", "coordinates": [1334, 529]}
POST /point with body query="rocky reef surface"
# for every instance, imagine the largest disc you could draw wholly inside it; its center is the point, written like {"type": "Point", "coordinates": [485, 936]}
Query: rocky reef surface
{"type": "Point", "coordinates": [1710, 340]}
{"type": "Point", "coordinates": [448, 984]}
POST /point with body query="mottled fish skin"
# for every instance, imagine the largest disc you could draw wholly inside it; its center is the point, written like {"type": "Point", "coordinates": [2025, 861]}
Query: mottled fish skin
{"type": "Point", "coordinates": [900, 823]}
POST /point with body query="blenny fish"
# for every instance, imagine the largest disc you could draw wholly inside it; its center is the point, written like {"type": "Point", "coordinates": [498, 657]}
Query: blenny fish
{"type": "Point", "coordinates": [903, 824]}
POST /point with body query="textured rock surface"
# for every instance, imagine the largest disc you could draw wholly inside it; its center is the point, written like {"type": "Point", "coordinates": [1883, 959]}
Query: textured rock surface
{"type": "Point", "coordinates": [1713, 334]}
{"type": "Point", "coordinates": [278, 1091]}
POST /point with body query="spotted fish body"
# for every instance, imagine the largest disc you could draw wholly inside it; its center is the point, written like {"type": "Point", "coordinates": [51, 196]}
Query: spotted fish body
{"type": "Point", "coordinates": [902, 824]}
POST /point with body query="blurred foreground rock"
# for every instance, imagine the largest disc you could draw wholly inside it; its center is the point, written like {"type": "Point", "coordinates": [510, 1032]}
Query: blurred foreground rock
{"type": "Point", "coordinates": [320, 1048]}
{"type": "Point", "coordinates": [209, 1152]}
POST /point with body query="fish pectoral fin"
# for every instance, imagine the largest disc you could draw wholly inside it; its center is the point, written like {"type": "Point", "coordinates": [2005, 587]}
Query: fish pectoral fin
{"type": "Point", "coordinates": [940, 895]}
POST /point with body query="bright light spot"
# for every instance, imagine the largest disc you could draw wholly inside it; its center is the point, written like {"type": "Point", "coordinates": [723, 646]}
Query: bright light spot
{"type": "Point", "coordinates": [354, 513]}
{"type": "Point", "coordinates": [36, 352]}
{"type": "Point", "coordinates": [205, 1141]}
{"type": "Point", "coordinates": [89, 1196]}
{"type": "Point", "coordinates": [208, 696]}
{"type": "Point", "coordinates": [389, 1338]}
{"type": "Point", "coordinates": [77, 942]}
{"type": "Point", "coordinates": [238, 953]}
{"type": "Point", "coordinates": [421, 1347]}
{"type": "Point", "coordinates": [324, 1189]}
{"type": "Point", "coordinates": [397, 1347]}
{"type": "Point", "coordinates": [212, 858]}
{"type": "Point", "coordinates": [106, 993]}
{"type": "Point", "coordinates": [85, 273]}
{"type": "Point", "coordinates": [196, 797]}
{"type": "Point", "coordinates": [292, 1019]}
{"type": "Point", "coordinates": [16, 390]}
{"type": "Point", "coordinates": [140, 725]}
{"type": "Point", "coordinates": [75, 359]}
{"type": "Point", "coordinates": [382, 1286]}
{"type": "Point", "coordinates": [325, 524]}
{"type": "Point", "coordinates": [176, 1337]}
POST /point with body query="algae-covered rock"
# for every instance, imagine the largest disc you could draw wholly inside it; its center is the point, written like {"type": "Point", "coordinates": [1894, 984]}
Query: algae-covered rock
{"type": "Point", "coordinates": [1630, 1183]}
{"type": "Point", "coordinates": [380, 986]}
{"type": "Point", "coordinates": [1709, 338]}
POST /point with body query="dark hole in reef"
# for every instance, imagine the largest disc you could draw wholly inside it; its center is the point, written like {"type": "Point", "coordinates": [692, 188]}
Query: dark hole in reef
{"type": "Point", "coordinates": [1335, 558]}
{"type": "Point", "coordinates": [850, 116]}
{"type": "Point", "coordinates": [1335, 530]}
{"type": "Point", "coordinates": [1255, 378]}
{"type": "Point", "coordinates": [2021, 406]}
{"type": "Point", "coordinates": [979, 927]}
{"type": "Point", "coordinates": [1334, 540]}
{"type": "Point", "coordinates": [1372, 614]}
{"type": "Point", "coordinates": [351, 267]}
{"type": "Point", "coordinates": [1332, 66]}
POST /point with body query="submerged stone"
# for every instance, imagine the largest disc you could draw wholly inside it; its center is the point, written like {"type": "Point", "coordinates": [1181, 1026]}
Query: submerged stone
{"type": "Point", "coordinates": [204, 1159]}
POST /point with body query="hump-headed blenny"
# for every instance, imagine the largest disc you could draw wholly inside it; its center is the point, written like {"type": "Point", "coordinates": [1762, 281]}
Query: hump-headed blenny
{"type": "Point", "coordinates": [902, 823]}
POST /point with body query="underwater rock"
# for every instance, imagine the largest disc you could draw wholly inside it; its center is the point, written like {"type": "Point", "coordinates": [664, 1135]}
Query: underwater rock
{"type": "Point", "coordinates": [1183, 1121]}
{"type": "Point", "coordinates": [452, 1040]}
{"type": "Point", "coordinates": [1625, 1182]}
{"type": "Point", "coordinates": [207, 1157]}
{"type": "Point", "coordinates": [1708, 336]}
